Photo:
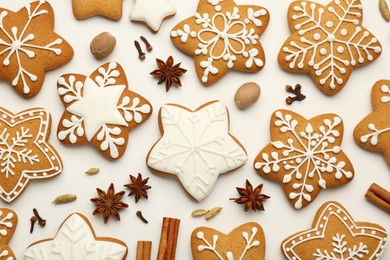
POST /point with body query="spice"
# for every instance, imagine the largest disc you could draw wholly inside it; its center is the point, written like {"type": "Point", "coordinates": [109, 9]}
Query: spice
{"type": "Point", "coordinates": [109, 203]}
{"type": "Point", "coordinates": [251, 197]}
{"type": "Point", "coordinates": [149, 47]}
{"type": "Point", "coordinates": [102, 45]}
{"type": "Point", "coordinates": [141, 217]}
{"type": "Point", "coordinates": [33, 219]}
{"type": "Point", "coordinates": [41, 221]}
{"type": "Point", "coordinates": [144, 249]}
{"type": "Point", "coordinates": [247, 95]}
{"type": "Point", "coordinates": [379, 197]}
{"type": "Point", "coordinates": [141, 54]}
{"type": "Point", "coordinates": [168, 73]}
{"type": "Point", "coordinates": [138, 187]}
{"type": "Point", "coordinates": [297, 91]}
{"type": "Point", "coordinates": [168, 239]}
{"type": "Point", "coordinates": [92, 171]}
{"type": "Point", "coordinates": [384, 9]}
{"type": "Point", "coordinates": [65, 198]}
{"type": "Point", "coordinates": [199, 212]}
{"type": "Point", "coordinates": [212, 213]}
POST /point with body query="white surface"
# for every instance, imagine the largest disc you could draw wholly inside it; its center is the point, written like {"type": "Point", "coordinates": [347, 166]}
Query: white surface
{"type": "Point", "coordinates": [250, 127]}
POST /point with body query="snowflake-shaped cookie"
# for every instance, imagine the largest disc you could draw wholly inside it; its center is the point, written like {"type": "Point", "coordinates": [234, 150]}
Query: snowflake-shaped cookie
{"type": "Point", "coordinates": [196, 146]}
{"type": "Point", "coordinates": [327, 42]}
{"type": "Point", "coordinates": [8, 222]}
{"type": "Point", "coordinates": [373, 132]}
{"type": "Point", "coordinates": [25, 154]}
{"type": "Point", "coordinates": [76, 239]}
{"type": "Point", "coordinates": [336, 236]}
{"type": "Point", "coordinates": [223, 36]}
{"type": "Point", "coordinates": [100, 109]}
{"type": "Point", "coordinates": [29, 47]}
{"type": "Point", "coordinates": [305, 156]}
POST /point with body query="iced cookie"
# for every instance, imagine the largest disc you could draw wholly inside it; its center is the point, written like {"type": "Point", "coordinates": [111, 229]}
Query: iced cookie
{"type": "Point", "coordinates": [223, 36]}
{"type": "Point", "coordinates": [99, 109]}
{"type": "Point", "coordinates": [373, 132]}
{"type": "Point", "coordinates": [152, 12]}
{"type": "Point", "coordinates": [29, 47]}
{"type": "Point", "coordinates": [76, 239]}
{"type": "Point", "coordinates": [327, 42]}
{"type": "Point", "coordinates": [196, 146]}
{"type": "Point", "coordinates": [8, 222]}
{"type": "Point", "coordinates": [335, 235]}
{"type": "Point", "coordinates": [305, 156]}
{"type": "Point", "coordinates": [25, 153]}
{"type": "Point", "coordinates": [246, 242]}
{"type": "Point", "coordinates": [83, 9]}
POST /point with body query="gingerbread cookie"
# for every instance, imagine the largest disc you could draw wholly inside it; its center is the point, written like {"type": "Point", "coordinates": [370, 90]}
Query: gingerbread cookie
{"type": "Point", "coordinates": [83, 9]}
{"type": "Point", "coordinates": [152, 12]}
{"type": "Point", "coordinates": [222, 36]}
{"type": "Point", "coordinates": [29, 47]}
{"type": "Point", "coordinates": [335, 235]}
{"type": "Point", "coordinates": [25, 154]}
{"type": "Point", "coordinates": [373, 132]}
{"type": "Point", "coordinates": [100, 109]}
{"type": "Point", "coordinates": [245, 242]}
{"type": "Point", "coordinates": [196, 146]}
{"type": "Point", "coordinates": [305, 156]}
{"type": "Point", "coordinates": [8, 222]}
{"type": "Point", "coordinates": [76, 239]}
{"type": "Point", "coordinates": [327, 42]}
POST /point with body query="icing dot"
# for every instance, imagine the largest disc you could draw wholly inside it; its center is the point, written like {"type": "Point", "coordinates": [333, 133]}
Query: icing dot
{"type": "Point", "coordinates": [44, 122]}
{"type": "Point", "coordinates": [293, 242]}
{"type": "Point", "coordinates": [20, 185]}
{"type": "Point", "coordinates": [12, 121]}
{"type": "Point", "coordinates": [340, 49]}
{"type": "Point", "coordinates": [39, 141]}
{"type": "Point", "coordinates": [41, 114]}
{"type": "Point", "coordinates": [345, 218]}
{"type": "Point", "coordinates": [21, 117]}
{"type": "Point", "coordinates": [287, 249]}
{"type": "Point", "coordinates": [300, 238]}
{"type": "Point", "coordinates": [323, 51]}
{"type": "Point", "coordinates": [218, 8]}
{"type": "Point", "coordinates": [343, 32]}
{"type": "Point", "coordinates": [44, 174]}
{"type": "Point", "coordinates": [338, 211]}
{"type": "Point", "coordinates": [351, 227]}
{"type": "Point", "coordinates": [52, 158]}
{"type": "Point", "coordinates": [308, 235]}
{"type": "Point", "coordinates": [373, 232]}
{"type": "Point", "coordinates": [363, 231]}
{"type": "Point", "coordinates": [316, 36]}
{"type": "Point", "coordinates": [35, 174]}
{"type": "Point", "coordinates": [318, 233]}
{"type": "Point", "coordinates": [329, 24]}
{"type": "Point", "coordinates": [321, 226]}
{"type": "Point", "coordinates": [30, 113]}
{"type": "Point", "coordinates": [4, 116]}
{"type": "Point", "coordinates": [294, 258]}
{"type": "Point", "coordinates": [56, 168]}
{"type": "Point", "coordinates": [15, 192]}
{"type": "Point", "coordinates": [46, 150]}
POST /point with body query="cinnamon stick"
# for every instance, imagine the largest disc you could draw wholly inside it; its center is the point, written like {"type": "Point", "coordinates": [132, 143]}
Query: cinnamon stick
{"type": "Point", "coordinates": [144, 249]}
{"type": "Point", "coordinates": [379, 197]}
{"type": "Point", "coordinates": [168, 239]}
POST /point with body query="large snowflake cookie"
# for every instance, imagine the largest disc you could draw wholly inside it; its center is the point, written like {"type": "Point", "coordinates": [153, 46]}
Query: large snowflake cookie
{"type": "Point", "coordinates": [327, 42]}
{"type": "Point", "coordinates": [29, 47]}
{"type": "Point", "coordinates": [223, 36]}
{"type": "Point", "coordinates": [8, 222]}
{"type": "Point", "coordinates": [25, 154]}
{"type": "Point", "coordinates": [196, 146]}
{"type": "Point", "coordinates": [245, 242]}
{"type": "Point", "coordinates": [373, 132]}
{"type": "Point", "coordinates": [335, 235]}
{"type": "Point", "coordinates": [76, 240]}
{"type": "Point", "coordinates": [100, 109]}
{"type": "Point", "coordinates": [305, 156]}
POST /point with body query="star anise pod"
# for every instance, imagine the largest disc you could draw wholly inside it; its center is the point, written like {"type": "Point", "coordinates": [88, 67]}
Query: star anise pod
{"type": "Point", "coordinates": [168, 72]}
{"type": "Point", "coordinates": [109, 203]}
{"type": "Point", "coordinates": [138, 187]}
{"type": "Point", "coordinates": [251, 197]}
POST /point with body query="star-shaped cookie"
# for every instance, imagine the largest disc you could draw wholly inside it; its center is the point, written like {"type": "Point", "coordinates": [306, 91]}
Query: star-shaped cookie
{"type": "Point", "coordinates": [83, 9]}
{"type": "Point", "coordinates": [373, 132]}
{"type": "Point", "coordinates": [76, 239]}
{"type": "Point", "coordinates": [196, 146]}
{"type": "Point", "coordinates": [222, 36]}
{"type": "Point", "coordinates": [29, 47]}
{"type": "Point", "coordinates": [8, 222]}
{"type": "Point", "coordinates": [335, 235]}
{"type": "Point", "coordinates": [305, 156]}
{"type": "Point", "coordinates": [327, 42]}
{"type": "Point", "coordinates": [152, 12]}
{"type": "Point", "coordinates": [100, 109]}
{"type": "Point", "coordinates": [25, 154]}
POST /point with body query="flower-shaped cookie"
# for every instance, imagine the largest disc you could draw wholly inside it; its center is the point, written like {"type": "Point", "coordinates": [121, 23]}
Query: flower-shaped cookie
{"type": "Point", "coordinates": [8, 222]}
{"type": "Point", "coordinates": [305, 156]}
{"type": "Point", "coordinates": [335, 236]}
{"type": "Point", "coordinates": [76, 240]}
{"type": "Point", "coordinates": [373, 132]}
{"type": "Point", "coordinates": [25, 154]}
{"type": "Point", "coordinates": [196, 146]}
{"type": "Point", "coordinates": [223, 36]}
{"type": "Point", "coordinates": [29, 47]}
{"type": "Point", "coordinates": [100, 109]}
{"type": "Point", "coordinates": [327, 42]}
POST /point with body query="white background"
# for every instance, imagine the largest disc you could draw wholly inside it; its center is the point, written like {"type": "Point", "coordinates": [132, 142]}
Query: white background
{"type": "Point", "coordinates": [250, 127]}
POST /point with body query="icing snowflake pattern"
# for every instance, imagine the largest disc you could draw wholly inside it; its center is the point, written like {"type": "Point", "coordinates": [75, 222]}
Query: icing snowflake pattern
{"type": "Point", "coordinates": [100, 108]}
{"type": "Point", "coordinates": [8, 221]}
{"type": "Point", "coordinates": [196, 147]}
{"type": "Point", "coordinates": [328, 42]}
{"type": "Point", "coordinates": [16, 43]}
{"type": "Point", "coordinates": [307, 156]}
{"type": "Point", "coordinates": [76, 240]}
{"type": "Point", "coordinates": [220, 39]}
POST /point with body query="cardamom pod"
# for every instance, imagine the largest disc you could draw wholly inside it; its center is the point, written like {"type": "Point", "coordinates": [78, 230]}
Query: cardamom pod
{"type": "Point", "coordinates": [199, 212]}
{"type": "Point", "coordinates": [92, 171]}
{"type": "Point", "coordinates": [384, 9]}
{"type": "Point", "coordinates": [65, 198]}
{"type": "Point", "coordinates": [212, 212]}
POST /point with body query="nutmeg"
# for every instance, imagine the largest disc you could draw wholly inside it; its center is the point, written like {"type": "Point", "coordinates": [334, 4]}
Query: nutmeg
{"type": "Point", "coordinates": [102, 45]}
{"type": "Point", "coordinates": [247, 95]}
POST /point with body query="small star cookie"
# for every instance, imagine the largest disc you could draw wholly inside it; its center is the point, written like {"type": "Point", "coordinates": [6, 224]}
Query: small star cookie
{"type": "Point", "coordinates": [83, 9]}
{"type": "Point", "coordinates": [8, 222]}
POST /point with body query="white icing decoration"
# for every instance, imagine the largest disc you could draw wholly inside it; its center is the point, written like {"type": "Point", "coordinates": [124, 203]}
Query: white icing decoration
{"type": "Point", "coordinates": [152, 12]}
{"type": "Point", "coordinates": [359, 44]}
{"type": "Point", "coordinates": [75, 240]}
{"type": "Point", "coordinates": [5, 253]}
{"type": "Point", "coordinates": [216, 5]}
{"type": "Point", "coordinates": [386, 91]}
{"type": "Point", "coordinates": [197, 147]}
{"type": "Point", "coordinates": [13, 151]}
{"type": "Point", "coordinates": [17, 43]}
{"type": "Point", "coordinates": [5, 223]}
{"type": "Point", "coordinates": [312, 155]}
{"type": "Point", "coordinates": [319, 232]}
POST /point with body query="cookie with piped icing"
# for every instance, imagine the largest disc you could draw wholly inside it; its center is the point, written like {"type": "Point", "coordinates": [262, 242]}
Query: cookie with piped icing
{"type": "Point", "coordinates": [8, 222]}
{"type": "Point", "coordinates": [83, 9]}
